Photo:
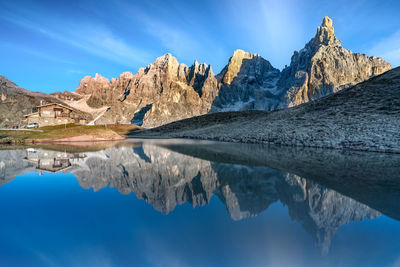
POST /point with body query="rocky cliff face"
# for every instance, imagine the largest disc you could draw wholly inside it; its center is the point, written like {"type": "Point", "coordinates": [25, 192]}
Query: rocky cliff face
{"type": "Point", "coordinates": [160, 93]}
{"type": "Point", "coordinates": [248, 82]}
{"type": "Point", "coordinates": [166, 91]}
{"type": "Point", "coordinates": [323, 67]}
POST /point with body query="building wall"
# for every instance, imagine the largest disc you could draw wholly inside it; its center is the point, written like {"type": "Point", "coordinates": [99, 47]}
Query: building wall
{"type": "Point", "coordinates": [49, 111]}
{"type": "Point", "coordinates": [47, 116]}
{"type": "Point", "coordinates": [49, 121]}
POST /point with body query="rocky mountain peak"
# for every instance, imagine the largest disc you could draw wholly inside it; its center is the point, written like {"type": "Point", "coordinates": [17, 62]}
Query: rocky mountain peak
{"type": "Point", "coordinates": [166, 90]}
{"type": "Point", "coordinates": [323, 67]}
{"type": "Point", "coordinates": [326, 34]}
{"type": "Point", "coordinates": [235, 64]}
{"type": "Point", "coordinates": [88, 85]}
{"type": "Point", "coordinates": [126, 75]}
{"type": "Point", "coordinates": [6, 82]}
{"type": "Point", "coordinates": [101, 79]}
{"type": "Point", "coordinates": [248, 81]}
{"type": "Point", "coordinates": [165, 60]}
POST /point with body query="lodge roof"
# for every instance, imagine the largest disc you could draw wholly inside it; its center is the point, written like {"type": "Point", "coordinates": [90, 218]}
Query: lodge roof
{"type": "Point", "coordinates": [51, 104]}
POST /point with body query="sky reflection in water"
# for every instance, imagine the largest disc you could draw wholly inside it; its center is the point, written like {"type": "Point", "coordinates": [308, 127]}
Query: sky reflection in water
{"type": "Point", "coordinates": [259, 206]}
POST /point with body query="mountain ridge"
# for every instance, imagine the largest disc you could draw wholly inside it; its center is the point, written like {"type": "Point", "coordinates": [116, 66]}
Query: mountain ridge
{"type": "Point", "coordinates": [247, 82]}
{"type": "Point", "coordinates": [167, 91]}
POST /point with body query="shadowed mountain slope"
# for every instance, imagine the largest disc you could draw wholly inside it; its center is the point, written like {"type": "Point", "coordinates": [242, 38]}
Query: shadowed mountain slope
{"type": "Point", "coordinates": [362, 117]}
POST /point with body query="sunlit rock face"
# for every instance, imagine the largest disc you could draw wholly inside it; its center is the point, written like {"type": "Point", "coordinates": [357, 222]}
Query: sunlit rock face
{"type": "Point", "coordinates": [98, 89]}
{"type": "Point", "coordinates": [162, 92]}
{"type": "Point", "coordinates": [248, 82]}
{"type": "Point", "coordinates": [323, 67]}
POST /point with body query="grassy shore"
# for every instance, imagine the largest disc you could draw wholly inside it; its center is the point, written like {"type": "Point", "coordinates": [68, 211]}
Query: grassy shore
{"type": "Point", "coordinates": [64, 131]}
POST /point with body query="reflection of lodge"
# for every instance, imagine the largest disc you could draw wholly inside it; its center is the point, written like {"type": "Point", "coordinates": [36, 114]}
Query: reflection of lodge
{"type": "Point", "coordinates": [52, 161]}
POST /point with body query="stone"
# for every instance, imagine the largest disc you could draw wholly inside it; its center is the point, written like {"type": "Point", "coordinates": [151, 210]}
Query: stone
{"type": "Point", "coordinates": [324, 67]}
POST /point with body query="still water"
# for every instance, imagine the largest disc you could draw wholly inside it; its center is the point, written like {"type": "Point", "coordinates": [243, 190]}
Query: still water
{"type": "Point", "coordinates": [197, 203]}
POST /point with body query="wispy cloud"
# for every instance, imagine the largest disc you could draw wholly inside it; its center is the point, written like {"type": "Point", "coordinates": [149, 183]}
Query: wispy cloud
{"type": "Point", "coordinates": [95, 39]}
{"type": "Point", "coordinates": [36, 53]}
{"type": "Point", "coordinates": [183, 32]}
{"type": "Point", "coordinates": [172, 38]}
{"type": "Point", "coordinates": [388, 48]}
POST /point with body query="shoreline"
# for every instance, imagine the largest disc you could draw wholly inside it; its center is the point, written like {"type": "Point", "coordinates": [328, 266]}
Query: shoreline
{"type": "Point", "coordinates": [73, 139]}
{"type": "Point", "coordinates": [238, 141]}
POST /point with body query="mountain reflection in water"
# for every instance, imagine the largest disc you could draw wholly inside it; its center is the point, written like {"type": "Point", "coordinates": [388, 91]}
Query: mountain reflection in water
{"type": "Point", "coordinates": [323, 189]}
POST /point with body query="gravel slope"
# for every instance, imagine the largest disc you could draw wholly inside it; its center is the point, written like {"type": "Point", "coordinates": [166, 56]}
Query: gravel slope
{"type": "Point", "coordinates": [365, 117]}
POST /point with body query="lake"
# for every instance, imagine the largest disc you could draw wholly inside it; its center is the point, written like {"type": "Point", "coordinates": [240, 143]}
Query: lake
{"type": "Point", "coordinates": [197, 203]}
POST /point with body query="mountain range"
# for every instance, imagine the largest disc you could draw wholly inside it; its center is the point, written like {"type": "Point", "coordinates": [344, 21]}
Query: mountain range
{"type": "Point", "coordinates": [167, 91]}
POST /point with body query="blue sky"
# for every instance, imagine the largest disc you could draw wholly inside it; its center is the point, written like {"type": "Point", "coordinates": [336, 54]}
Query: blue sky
{"type": "Point", "coordinates": [50, 45]}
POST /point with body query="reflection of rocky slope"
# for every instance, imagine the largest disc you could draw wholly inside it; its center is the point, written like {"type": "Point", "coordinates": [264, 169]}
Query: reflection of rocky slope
{"type": "Point", "coordinates": [369, 178]}
{"type": "Point", "coordinates": [162, 178]}
{"type": "Point", "coordinates": [165, 179]}
{"type": "Point", "coordinates": [238, 175]}
{"type": "Point", "coordinates": [320, 210]}
{"type": "Point", "coordinates": [12, 164]}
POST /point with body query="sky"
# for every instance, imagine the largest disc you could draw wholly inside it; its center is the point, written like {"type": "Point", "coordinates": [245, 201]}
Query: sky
{"type": "Point", "coordinates": [50, 46]}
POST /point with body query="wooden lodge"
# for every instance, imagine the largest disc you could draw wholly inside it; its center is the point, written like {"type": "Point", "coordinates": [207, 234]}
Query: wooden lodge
{"type": "Point", "coordinates": [51, 114]}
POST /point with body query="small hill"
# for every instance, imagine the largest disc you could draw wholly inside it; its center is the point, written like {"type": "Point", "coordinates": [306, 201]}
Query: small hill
{"type": "Point", "coordinates": [16, 102]}
{"type": "Point", "coordinates": [365, 117]}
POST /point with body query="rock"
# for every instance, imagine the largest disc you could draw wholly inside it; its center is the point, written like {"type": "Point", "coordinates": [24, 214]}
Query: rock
{"type": "Point", "coordinates": [324, 67]}
{"type": "Point", "coordinates": [248, 82]}
{"type": "Point", "coordinates": [162, 92]}
{"type": "Point", "coordinates": [98, 89]}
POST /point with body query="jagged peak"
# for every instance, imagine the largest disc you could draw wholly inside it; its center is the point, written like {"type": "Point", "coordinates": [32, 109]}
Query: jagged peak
{"type": "Point", "coordinates": [328, 23]}
{"type": "Point", "coordinates": [326, 33]}
{"type": "Point", "coordinates": [99, 78]}
{"type": "Point", "coordinates": [235, 64]}
{"type": "Point", "coordinates": [165, 60]}
{"type": "Point", "coordinates": [126, 75]}
{"type": "Point", "coordinates": [241, 54]}
{"type": "Point", "coordinates": [199, 66]}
